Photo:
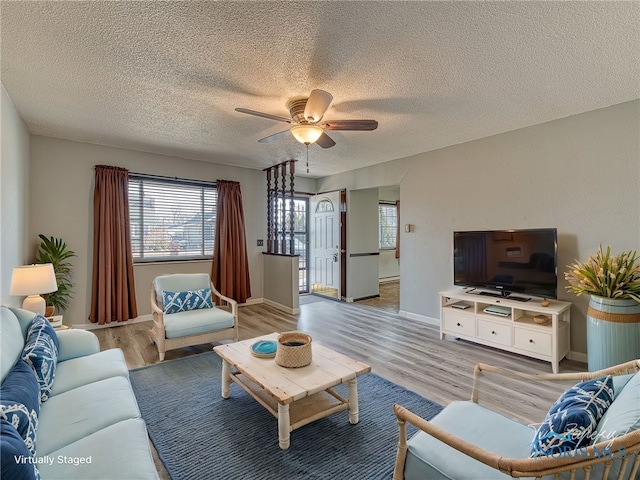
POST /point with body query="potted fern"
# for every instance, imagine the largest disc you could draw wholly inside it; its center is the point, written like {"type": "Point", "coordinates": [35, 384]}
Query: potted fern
{"type": "Point", "coordinates": [613, 316]}
{"type": "Point", "coordinates": [55, 251]}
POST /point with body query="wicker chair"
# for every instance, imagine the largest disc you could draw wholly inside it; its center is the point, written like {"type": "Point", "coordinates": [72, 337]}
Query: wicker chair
{"type": "Point", "coordinates": [191, 327]}
{"type": "Point", "coordinates": [590, 464]}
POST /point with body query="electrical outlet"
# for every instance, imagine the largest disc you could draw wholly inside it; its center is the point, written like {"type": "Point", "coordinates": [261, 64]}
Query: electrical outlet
{"type": "Point", "coordinates": [260, 242]}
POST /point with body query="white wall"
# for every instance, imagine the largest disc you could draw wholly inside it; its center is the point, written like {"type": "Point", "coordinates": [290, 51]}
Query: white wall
{"type": "Point", "coordinates": [580, 174]}
{"type": "Point", "coordinates": [14, 211]}
{"type": "Point", "coordinates": [61, 187]}
{"type": "Point", "coordinates": [281, 282]}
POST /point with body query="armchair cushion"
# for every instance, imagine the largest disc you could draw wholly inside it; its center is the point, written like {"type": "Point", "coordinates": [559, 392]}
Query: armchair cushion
{"type": "Point", "coordinates": [574, 417]}
{"type": "Point", "coordinates": [195, 322]}
{"type": "Point", "coordinates": [179, 282]}
{"type": "Point", "coordinates": [476, 424]}
{"type": "Point", "coordinates": [175, 302]}
{"type": "Point", "coordinates": [623, 416]}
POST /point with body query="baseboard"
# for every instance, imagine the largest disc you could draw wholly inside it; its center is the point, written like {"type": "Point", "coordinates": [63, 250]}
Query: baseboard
{"type": "Point", "coordinates": [252, 301]}
{"type": "Point", "coordinates": [420, 318]}
{"type": "Point", "coordinates": [94, 326]}
{"type": "Point", "coordinates": [577, 356]}
{"type": "Point", "coordinates": [279, 306]}
{"type": "Point", "coordinates": [388, 279]}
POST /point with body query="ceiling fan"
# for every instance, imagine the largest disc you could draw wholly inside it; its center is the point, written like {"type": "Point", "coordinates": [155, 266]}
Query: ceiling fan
{"type": "Point", "coordinates": [306, 120]}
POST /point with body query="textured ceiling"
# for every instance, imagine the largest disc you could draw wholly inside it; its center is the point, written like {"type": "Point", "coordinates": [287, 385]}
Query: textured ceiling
{"type": "Point", "coordinates": [165, 77]}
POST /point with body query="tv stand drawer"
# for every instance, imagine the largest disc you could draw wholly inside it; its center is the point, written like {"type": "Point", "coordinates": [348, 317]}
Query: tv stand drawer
{"type": "Point", "coordinates": [459, 323]}
{"type": "Point", "coordinates": [532, 341]}
{"type": "Point", "coordinates": [494, 332]}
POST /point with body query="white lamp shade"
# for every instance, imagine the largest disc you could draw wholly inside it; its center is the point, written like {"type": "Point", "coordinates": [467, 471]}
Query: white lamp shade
{"type": "Point", "coordinates": [33, 280]}
{"type": "Point", "coordinates": [307, 134]}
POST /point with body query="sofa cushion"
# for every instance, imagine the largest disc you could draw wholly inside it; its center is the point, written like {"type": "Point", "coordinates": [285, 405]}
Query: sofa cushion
{"type": "Point", "coordinates": [25, 317]}
{"type": "Point", "coordinates": [16, 462]}
{"type": "Point", "coordinates": [195, 322]}
{"type": "Point", "coordinates": [175, 302]}
{"type": "Point", "coordinates": [623, 416]}
{"type": "Point", "coordinates": [573, 418]}
{"type": "Point", "coordinates": [80, 371]}
{"type": "Point", "coordinates": [20, 402]}
{"type": "Point", "coordinates": [127, 438]}
{"type": "Point", "coordinates": [429, 458]}
{"type": "Point", "coordinates": [72, 415]}
{"type": "Point", "coordinates": [11, 341]}
{"type": "Point", "coordinates": [41, 353]}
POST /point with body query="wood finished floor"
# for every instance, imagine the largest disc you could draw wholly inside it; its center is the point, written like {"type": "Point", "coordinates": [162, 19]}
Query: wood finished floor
{"type": "Point", "coordinates": [407, 352]}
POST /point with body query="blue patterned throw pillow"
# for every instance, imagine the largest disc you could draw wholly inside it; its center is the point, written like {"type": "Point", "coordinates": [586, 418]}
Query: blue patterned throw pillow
{"type": "Point", "coordinates": [20, 402]}
{"type": "Point", "coordinates": [175, 302]}
{"type": "Point", "coordinates": [41, 353]}
{"type": "Point", "coordinates": [574, 417]}
{"type": "Point", "coordinates": [16, 462]}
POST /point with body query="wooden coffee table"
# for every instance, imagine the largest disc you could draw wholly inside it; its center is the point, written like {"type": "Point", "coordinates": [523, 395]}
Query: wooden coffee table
{"type": "Point", "coordinates": [295, 396]}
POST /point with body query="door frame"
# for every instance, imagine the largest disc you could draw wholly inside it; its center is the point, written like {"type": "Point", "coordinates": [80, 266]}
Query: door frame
{"type": "Point", "coordinates": [342, 236]}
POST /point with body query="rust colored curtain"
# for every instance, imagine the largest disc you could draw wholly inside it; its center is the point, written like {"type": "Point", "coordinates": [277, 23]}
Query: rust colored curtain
{"type": "Point", "coordinates": [113, 295]}
{"type": "Point", "coordinates": [397, 228]}
{"type": "Point", "coordinates": [230, 270]}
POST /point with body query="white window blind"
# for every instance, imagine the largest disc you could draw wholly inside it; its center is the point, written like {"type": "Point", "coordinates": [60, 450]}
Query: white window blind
{"type": "Point", "coordinates": [171, 219]}
{"type": "Point", "coordinates": [387, 225]}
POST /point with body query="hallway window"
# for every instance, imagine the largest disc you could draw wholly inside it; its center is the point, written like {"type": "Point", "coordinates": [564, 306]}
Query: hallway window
{"type": "Point", "coordinates": [387, 225]}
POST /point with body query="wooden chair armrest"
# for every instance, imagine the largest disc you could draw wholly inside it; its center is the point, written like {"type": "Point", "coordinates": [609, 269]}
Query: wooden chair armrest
{"type": "Point", "coordinates": [158, 314]}
{"type": "Point", "coordinates": [480, 368]}
{"type": "Point", "coordinates": [517, 467]}
{"type": "Point", "coordinates": [230, 301]}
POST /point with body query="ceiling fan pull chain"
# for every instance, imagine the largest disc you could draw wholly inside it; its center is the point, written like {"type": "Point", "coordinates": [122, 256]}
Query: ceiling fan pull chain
{"type": "Point", "coordinates": [307, 145]}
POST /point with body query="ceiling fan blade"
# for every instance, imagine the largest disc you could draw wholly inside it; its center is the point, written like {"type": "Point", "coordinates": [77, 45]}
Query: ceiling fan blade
{"type": "Point", "coordinates": [273, 137]}
{"type": "Point", "coordinates": [317, 104]}
{"type": "Point", "coordinates": [350, 125]}
{"type": "Point", "coordinates": [325, 141]}
{"type": "Point", "coordinates": [265, 115]}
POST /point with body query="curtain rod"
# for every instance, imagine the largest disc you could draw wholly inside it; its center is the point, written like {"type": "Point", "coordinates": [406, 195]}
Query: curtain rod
{"type": "Point", "coordinates": [149, 176]}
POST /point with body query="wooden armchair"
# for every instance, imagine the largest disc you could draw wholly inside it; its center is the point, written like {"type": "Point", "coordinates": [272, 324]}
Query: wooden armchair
{"type": "Point", "coordinates": [468, 441]}
{"type": "Point", "coordinates": [190, 319]}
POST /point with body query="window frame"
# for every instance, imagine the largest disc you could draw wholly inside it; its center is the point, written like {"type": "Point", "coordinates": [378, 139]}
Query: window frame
{"type": "Point", "coordinates": [141, 256]}
{"type": "Point", "coordinates": [382, 204]}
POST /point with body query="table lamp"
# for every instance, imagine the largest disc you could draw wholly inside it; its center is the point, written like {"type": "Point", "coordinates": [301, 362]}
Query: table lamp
{"type": "Point", "coordinates": [32, 280]}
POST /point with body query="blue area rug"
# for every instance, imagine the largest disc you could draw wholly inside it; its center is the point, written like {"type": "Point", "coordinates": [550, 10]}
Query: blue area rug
{"type": "Point", "coordinates": [198, 434]}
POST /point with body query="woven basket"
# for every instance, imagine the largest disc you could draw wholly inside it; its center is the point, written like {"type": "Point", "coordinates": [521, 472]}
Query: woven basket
{"type": "Point", "coordinates": [294, 350]}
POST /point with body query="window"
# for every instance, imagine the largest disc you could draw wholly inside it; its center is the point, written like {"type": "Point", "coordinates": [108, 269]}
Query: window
{"type": "Point", "coordinates": [387, 225]}
{"type": "Point", "coordinates": [300, 233]}
{"type": "Point", "coordinates": [171, 219]}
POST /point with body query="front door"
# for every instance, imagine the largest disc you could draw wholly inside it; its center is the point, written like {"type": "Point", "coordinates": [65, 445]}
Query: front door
{"type": "Point", "coordinates": [325, 244]}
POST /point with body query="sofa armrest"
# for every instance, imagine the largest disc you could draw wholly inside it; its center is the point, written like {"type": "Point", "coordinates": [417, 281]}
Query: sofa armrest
{"type": "Point", "coordinates": [76, 343]}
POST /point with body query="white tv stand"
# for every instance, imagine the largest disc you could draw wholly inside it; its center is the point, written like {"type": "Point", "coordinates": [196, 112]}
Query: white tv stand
{"type": "Point", "coordinates": [513, 330]}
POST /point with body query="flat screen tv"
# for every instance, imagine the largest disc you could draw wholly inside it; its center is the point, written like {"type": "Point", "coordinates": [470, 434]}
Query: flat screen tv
{"type": "Point", "coordinates": [507, 263]}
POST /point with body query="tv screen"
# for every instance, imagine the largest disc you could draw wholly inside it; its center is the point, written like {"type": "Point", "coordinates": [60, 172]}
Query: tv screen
{"type": "Point", "coordinates": [507, 261]}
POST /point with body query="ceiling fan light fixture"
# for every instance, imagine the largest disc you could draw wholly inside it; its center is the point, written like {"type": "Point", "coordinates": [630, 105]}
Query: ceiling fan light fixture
{"type": "Point", "coordinates": [307, 134]}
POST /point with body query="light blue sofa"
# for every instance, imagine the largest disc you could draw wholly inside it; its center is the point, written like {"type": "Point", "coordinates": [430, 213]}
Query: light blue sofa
{"type": "Point", "coordinates": [468, 441]}
{"type": "Point", "coordinates": [90, 426]}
